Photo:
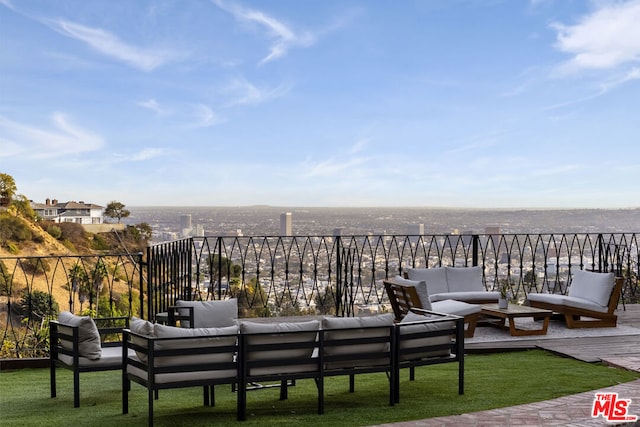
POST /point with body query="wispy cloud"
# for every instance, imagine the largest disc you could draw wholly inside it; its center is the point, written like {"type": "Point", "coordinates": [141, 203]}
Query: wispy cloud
{"type": "Point", "coordinates": [242, 92]}
{"type": "Point", "coordinates": [110, 45]}
{"type": "Point", "coordinates": [332, 166]}
{"type": "Point", "coordinates": [605, 39]}
{"type": "Point", "coordinates": [37, 143]}
{"type": "Point", "coordinates": [360, 145]}
{"type": "Point", "coordinates": [282, 36]}
{"type": "Point", "coordinates": [142, 155]}
{"type": "Point", "coordinates": [205, 116]}
{"type": "Point", "coordinates": [153, 105]}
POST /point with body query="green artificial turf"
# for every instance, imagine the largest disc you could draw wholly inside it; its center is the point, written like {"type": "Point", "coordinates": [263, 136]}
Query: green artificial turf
{"type": "Point", "coordinates": [491, 381]}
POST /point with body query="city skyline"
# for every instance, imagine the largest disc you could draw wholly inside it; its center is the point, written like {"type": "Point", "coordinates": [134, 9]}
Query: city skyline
{"type": "Point", "coordinates": [349, 103]}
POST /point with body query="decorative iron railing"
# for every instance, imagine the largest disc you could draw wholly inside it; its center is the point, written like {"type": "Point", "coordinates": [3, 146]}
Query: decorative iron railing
{"type": "Point", "coordinates": [282, 276]}
{"type": "Point", "coordinates": [34, 289]}
{"type": "Point", "coordinates": [274, 275]}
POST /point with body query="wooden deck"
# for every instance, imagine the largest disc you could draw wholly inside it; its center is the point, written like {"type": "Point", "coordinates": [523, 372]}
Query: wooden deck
{"type": "Point", "coordinates": [617, 350]}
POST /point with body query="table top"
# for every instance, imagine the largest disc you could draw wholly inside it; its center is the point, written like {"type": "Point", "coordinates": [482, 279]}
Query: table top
{"type": "Point", "coordinates": [514, 310]}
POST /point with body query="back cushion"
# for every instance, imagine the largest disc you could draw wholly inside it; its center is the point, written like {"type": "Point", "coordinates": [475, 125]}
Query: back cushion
{"type": "Point", "coordinates": [211, 314]}
{"type": "Point", "coordinates": [88, 335]}
{"type": "Point", "coordinates": [142, 327]}
{"type": "Point", "coordinates": [595, 287]}
{"type": "Point", "coordinates": [465, 279]}
{"type": "Point", "coordinates": [215, 337]}
{"type": "Point", "coordinates": [346, 328]}
{"type": "Point", "coordinates": [281, 333]}
{"type": "Point", "coordinates": [436, 278]}
{"type": "Point", "coordinates": [424, 343]}
{"type": "Point", "coordinates": [421, 289]}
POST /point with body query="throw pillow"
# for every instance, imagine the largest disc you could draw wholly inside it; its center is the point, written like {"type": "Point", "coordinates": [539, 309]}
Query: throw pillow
{"type": "Point", "coordinates": [88, 336]}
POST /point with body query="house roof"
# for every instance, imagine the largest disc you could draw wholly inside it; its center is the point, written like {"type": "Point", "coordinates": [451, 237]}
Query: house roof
{"type": "Point", "coordinates": [65, 205]}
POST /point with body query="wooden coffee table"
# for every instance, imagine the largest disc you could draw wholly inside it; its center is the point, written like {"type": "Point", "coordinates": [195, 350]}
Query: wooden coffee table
{"type": "Point", "coordinates": [513, 311]}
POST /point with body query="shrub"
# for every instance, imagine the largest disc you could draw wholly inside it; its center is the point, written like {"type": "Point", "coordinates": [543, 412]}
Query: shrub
{"type": "Point", "coordinates": [99, 243]}
{"type": "Point", "coordinates": [37, 305]}
{"type": "Point", "coordinates": [13, 228]}
{"type": "Point", "coordinates": [35, 265]}
{"type": "Point", "coordinates": [54, 231]}
{"type": "Point", "coordinates": [12, 248]}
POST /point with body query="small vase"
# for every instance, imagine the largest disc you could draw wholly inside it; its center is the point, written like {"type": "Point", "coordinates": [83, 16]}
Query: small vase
{"type": "Point", "coordinates": [503, 303]}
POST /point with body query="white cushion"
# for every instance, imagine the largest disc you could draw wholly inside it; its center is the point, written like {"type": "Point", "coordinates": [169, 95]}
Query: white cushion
{"type": "Point", "coordinates": [471, 296]}
{"type": "Point", "coordinates": [425, 326]}
{"type": "Point", "coordinates": [111, 358]}
{"type": "Point", "coordinates": [211, 314]}
{"type": "Point", "coordinates": [458, 308]}
{"type": "Point", "coordinates": [421, 289]}
{"type": "Point", "coordinates": [595, 287]}
{"type": "Point", "coordinates": [201, 337]}
{"type": "Point", "coordinates": [88, 336]}
{"type": "Point", "coordinates": [345, 328]}
{"type": "Point", "coordinates": [464, 279]}
{"type": "Point", "coordinates": [142, 327]}
{"type": "Point", "coordinates": [279, 333]}
{"type": "Point", "coordinates": [564, 300]}
{"type": "Point", "coordinates": [435, 277]}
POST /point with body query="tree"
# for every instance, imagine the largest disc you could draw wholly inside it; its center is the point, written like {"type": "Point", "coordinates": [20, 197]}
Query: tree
{"type": "Point", "coordinates": [7, 189]}
{"type": "Point", "coordinates": [116, 209]}
{"type": "Point", "coordinates": [23, 205]}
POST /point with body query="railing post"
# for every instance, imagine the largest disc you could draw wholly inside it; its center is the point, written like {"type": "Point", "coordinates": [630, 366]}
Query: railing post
{"type": "Point", "coordinates": [219, 243]}
{"type": "Point", "coordinates": [338, 298]}
{"type": "Point", "coordinates": [601, 254]}
{"type": "Point", "coordinates": [475, 242]}
{"type": "Point", "coordinates": [150, 283]}
{"type": "Point", "coordinates": [141, 281]}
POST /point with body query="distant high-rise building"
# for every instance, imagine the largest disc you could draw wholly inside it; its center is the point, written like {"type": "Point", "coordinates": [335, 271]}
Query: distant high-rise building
{"type": "Point", "coordinates": [286, 224]}
{"type": "Point", "coordinates": [185, 225]}
{"type": "Point", "coordinates": [185, 221]}
{"type": "Point", "coordinates": [415, 230]}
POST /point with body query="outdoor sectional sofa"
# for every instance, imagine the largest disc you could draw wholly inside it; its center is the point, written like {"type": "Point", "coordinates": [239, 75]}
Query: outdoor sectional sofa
{"type": "Point", "coordinates": [454, 283]}
{"type": "Point", "coordinates": [160, 357]}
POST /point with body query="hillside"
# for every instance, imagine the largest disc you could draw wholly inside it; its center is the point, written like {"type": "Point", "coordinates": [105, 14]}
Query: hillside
{"type": "Point", "coordinates": [21, 238]}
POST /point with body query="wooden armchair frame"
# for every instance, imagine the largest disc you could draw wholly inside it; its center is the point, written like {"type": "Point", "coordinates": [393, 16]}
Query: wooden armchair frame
{"type": "Point", "coordinates": [404, 298]}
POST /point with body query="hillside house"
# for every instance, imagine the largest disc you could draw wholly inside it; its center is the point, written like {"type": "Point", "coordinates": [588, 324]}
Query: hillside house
{"type": "Point", "coordinates": [77, 212]}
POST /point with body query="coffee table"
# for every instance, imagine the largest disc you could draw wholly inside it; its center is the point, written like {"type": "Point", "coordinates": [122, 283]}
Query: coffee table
{"type": "Point", "coordinates": [515, 310]}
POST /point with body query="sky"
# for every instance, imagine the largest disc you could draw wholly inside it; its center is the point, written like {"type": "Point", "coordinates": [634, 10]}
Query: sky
{"type": "Point", "coordinates": [346, 103]}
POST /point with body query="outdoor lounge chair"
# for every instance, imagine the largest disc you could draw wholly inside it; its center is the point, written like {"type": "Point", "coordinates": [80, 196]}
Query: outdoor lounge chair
{"type": "Point", "coordinates": [77, 345]}
{"type": "Point", "coordinates": [405, 295]}
{"type": "Point", "coordinates": [590, 303]}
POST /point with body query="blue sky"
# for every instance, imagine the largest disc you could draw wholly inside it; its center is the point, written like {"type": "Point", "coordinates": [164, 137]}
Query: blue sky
{"type": "Point", "coordinates": [451, 103]}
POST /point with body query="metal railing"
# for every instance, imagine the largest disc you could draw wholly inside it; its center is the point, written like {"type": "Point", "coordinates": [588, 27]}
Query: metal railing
{"type": "Point", "coordinates": [282, 276]}
{"type": "Point", "coordinates": [34, 290]}
{"type": "Point", "coordinates": [273, 275]}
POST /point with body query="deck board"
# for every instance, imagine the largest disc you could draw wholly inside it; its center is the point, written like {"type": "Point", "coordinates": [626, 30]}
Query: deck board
{"type": "Point", "coordinates": [593, 349]}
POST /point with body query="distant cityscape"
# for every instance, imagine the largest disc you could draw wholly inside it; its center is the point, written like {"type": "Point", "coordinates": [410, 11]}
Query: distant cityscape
{"type": "Point", "coordinates": [171, 223]}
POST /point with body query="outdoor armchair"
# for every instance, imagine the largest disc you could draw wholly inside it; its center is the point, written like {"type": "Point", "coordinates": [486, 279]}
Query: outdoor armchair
{"type": "Point", "coordinates": [405, 294]}
{"type": "Point", "coordinates": [590, 302]}
{"type": "Point", "coordinates": [78, 344]}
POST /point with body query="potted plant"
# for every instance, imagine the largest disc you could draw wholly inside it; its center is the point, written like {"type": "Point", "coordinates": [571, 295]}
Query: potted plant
{"type": "Point", "coordinates": [503, 300]}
